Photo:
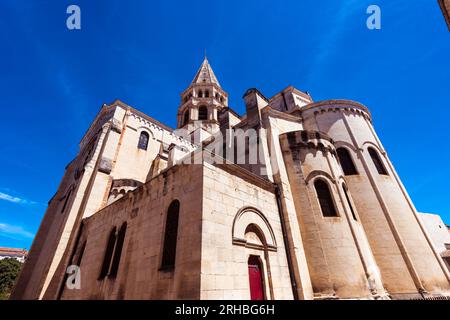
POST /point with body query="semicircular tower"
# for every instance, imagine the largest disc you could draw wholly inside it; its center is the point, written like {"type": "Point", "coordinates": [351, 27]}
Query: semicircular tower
{"type": "Point", "coordinates": [339, 258]}
{"type": "Point", "coordinates": [408, 262]}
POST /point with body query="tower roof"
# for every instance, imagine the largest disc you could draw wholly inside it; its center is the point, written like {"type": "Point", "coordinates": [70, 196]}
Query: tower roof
{"type": "Point", "coordinates": [205, 74]}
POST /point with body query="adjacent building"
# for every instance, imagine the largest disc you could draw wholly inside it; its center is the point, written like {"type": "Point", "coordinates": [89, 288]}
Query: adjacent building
{"type": "Point", "coordinates": [439, 233]}
{"type": "Point", "coordinates": [18, 254]}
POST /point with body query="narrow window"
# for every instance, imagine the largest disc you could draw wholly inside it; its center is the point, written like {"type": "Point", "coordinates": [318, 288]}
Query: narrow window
{"type": "Point", "coordinates": [80, 254]}
{"type": "Point", "coordinates": [200, 94]}
{"type": "Point", "coordinates": [377, 161]}
{"type": "Point", "coordinates": [235, 150]}
{"type": "Point", "coordinates": [170, 236]}
{"type": "Point", "coordinates": [325, 199]}
{"type": "Point", "coordinates": [202, 113]}
{"type": "Point", "coordinates": [224, 148]}
{"type": "Point", "coordinates": [118, 250]}
{"type": "Point", "coordinates": [186, 117]}
{"type": "Point", "coordinates": [143, 140]}
{"type": "Point", "coordinates": [207, 94]}
{"type": "Point", "coordinates": [108, 254]}
{"type": "Point", "coordinates": [348, 201]}
{"type": "Point", "coordinates": [346, 162]}
{"type": "Point", "coordinates": [66, 201]}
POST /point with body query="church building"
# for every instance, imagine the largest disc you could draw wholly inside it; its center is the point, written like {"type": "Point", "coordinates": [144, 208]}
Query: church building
{"type": "Point", "coordinates": [296, 199]}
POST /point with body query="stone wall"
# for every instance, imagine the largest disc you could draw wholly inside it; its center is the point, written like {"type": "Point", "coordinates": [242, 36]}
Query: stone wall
{"type": "Point", "coordinates": [145, 210]}
{"type": "Point", "coordinates": [108, 151]}
{"type": "Point", "coordinates": [233, 200]}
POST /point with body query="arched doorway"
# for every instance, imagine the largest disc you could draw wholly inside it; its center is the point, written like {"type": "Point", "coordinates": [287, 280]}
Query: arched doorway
{"type": "Point", "coordinates": [255, 276]}
{"type": "Point", "coordinates": [252, 230]}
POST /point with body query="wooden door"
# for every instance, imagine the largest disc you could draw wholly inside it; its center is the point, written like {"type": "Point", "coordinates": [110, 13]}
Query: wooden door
{"type": "Point", "coordinates": [255, 275]}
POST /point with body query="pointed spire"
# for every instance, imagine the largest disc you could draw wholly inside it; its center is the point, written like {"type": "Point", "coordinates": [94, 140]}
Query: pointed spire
{"type": "Point", "coordinates": [205, 74]}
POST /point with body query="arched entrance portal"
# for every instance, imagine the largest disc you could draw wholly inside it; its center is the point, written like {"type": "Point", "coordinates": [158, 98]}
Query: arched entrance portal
{"type": "Point", "coordinates": [252, 230]}
{"type": "Point", "coordinates": [255, 276]}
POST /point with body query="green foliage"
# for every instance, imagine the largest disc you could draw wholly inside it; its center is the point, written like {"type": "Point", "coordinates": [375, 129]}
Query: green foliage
{"type": "Point", "coordinates": [9, 271]}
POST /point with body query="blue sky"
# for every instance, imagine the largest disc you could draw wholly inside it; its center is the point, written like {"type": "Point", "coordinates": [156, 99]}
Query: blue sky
{"type": "Point", "coordinates": [53, 81]}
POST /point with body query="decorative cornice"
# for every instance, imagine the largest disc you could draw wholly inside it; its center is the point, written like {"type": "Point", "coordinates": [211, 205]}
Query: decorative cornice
{"type": "Point", "coordinates": [338, 105]}
{"type": "Point", "coordinates": [106, 112]}
{"type": "Point", "coordinates": [303, 139]}
{"type": "Point", "coordinates": [125, 183]}
{"type": "Point", "coordinates": [203, 85]}
{"type": "Point", "coordinates": [157, 126]}
{"type": "Point", "coordinates": [142, 115]}
{"type": "Point", "coordinates": [246, 175]}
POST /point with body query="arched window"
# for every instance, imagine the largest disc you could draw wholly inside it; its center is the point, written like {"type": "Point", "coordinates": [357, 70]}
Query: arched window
{"type": "Point", "coordinates": [143, 140]}
{"type": "Point", "coordinates": [200, 94]}
{"type": "Point", "coordinates": [377, 161]}
{"type": "Point", "coordinates": [108, 254]}
{"type": "Point", "coordinates": [202, 113]}
{"type": "Point", "coordinates": [346, 162]}
{"type": "Point", "coordinates": [118, 250]}
{"type": "Point", "coordinates": [206, 93]}
{"type": "Point", "coordinates": [348, 201]}
{"type": "Point", "coordinates": [186, 117]}
{"type": "Point", "coordinates": [325, 199]}
{"type": "Point", "coordinates": [170, 236]}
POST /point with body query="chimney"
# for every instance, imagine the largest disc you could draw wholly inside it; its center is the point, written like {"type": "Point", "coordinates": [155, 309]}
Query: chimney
{"type": "Point", "coordinates": [254, 102]}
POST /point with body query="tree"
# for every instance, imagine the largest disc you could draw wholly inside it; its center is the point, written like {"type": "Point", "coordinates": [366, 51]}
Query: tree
{"type": "Point", "coordinates": [9, 271]}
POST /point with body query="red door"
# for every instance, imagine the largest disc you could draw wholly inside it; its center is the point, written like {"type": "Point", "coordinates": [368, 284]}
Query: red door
{"type": "Point", "coordinates": [255, 278]}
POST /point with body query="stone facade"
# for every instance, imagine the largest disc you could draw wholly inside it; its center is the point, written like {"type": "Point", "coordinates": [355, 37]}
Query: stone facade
{"type": "Point", "coordinates": [310, 207]}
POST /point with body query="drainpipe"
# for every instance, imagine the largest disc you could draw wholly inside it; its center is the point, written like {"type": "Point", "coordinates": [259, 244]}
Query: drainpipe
{"type": "Point", "coordinates": [286, 243]}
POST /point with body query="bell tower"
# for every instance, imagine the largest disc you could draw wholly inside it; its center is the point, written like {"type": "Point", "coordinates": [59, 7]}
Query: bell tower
{"type": "Point", "coordinates": [200, 104]}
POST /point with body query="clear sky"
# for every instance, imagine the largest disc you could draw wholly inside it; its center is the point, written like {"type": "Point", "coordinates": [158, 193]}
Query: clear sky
{"type": "Point", "coordinates": [53, 81]}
